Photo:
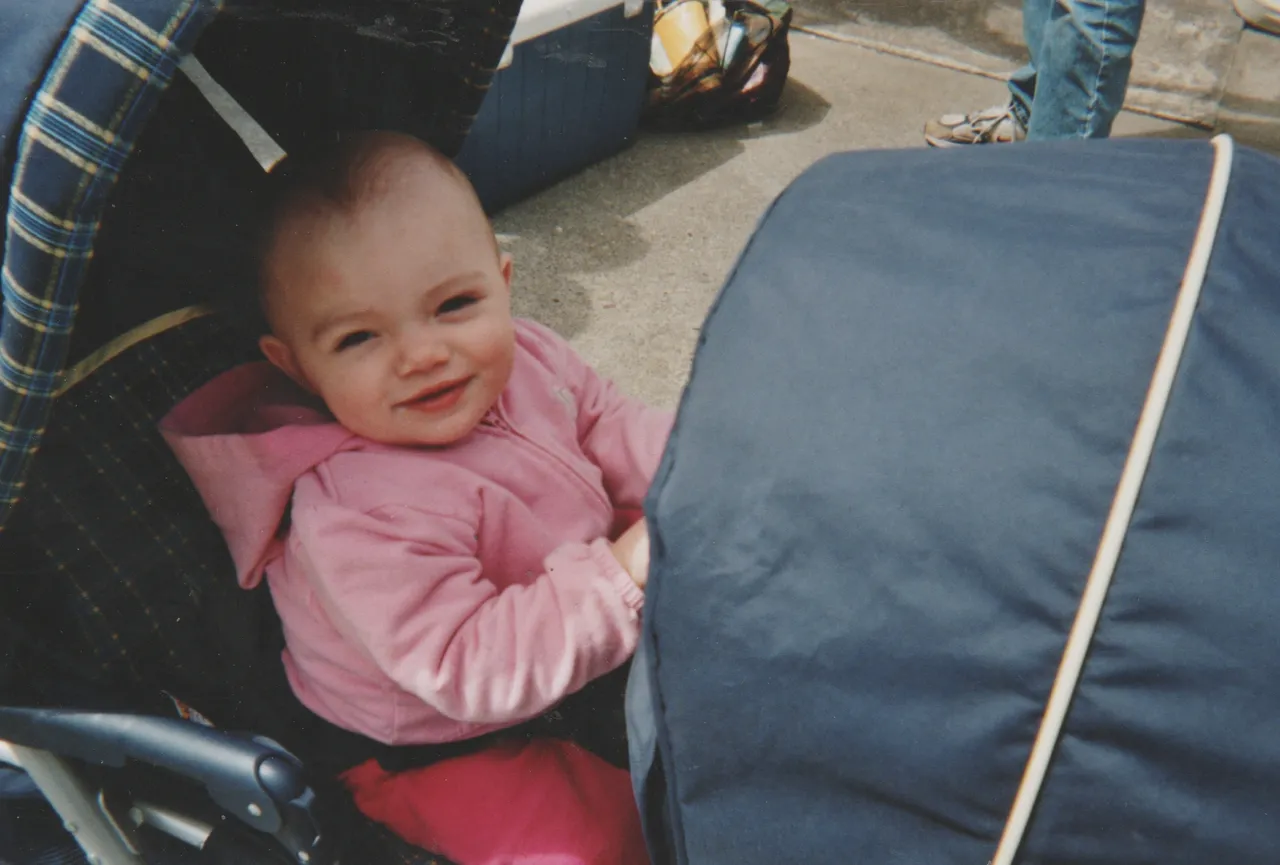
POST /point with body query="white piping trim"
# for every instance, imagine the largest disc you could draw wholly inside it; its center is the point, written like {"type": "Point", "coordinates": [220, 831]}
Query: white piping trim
{"type": "Point", "coordinates": [1126, 497]}
{"type": "Point", "coordinates": [260, 143]}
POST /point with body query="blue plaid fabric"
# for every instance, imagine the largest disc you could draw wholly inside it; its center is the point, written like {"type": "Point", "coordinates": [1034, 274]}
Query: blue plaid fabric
{"type": "Point", "coordinates": [113, 65]}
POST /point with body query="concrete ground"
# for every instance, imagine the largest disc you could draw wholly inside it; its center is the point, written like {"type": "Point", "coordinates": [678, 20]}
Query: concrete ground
{"type": "Point", "coordinates": [625, 258]}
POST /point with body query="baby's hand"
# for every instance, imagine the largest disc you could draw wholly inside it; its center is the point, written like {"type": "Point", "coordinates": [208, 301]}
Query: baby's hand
{"type": "Point", "coordinates": [632, 552]}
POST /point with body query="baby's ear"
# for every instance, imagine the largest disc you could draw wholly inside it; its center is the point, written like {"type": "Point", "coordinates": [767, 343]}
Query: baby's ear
{"type": "Point", "coordinates": [281, 357]}
{"type": "Point", "coordinates": [507, 264]}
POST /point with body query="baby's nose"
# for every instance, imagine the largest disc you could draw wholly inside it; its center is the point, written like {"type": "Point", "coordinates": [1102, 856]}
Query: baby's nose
{"type": "Point", "coordinates": [418, 352]}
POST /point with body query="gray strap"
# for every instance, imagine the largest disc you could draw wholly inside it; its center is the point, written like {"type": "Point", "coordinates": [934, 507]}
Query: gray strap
{"type": "Point", "coordinates": [260, 144]}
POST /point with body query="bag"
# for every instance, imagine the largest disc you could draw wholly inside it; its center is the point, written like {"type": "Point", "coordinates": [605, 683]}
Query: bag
{"type": "Point", "coordinates": [704, 91]}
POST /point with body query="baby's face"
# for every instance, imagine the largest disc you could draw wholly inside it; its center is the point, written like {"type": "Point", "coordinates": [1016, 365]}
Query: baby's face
{"type": "Point", "coordinates": [397, 316]}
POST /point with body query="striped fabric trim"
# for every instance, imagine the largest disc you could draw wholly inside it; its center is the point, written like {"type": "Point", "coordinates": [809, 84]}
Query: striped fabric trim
{"type": "Point", "coordinates": [113, 66]}
{"type": "Point", "coordinates": [126, 341]}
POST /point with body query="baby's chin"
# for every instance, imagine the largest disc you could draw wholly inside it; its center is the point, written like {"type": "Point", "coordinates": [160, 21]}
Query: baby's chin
{"type": "Point", "coordinates": [443, 433]}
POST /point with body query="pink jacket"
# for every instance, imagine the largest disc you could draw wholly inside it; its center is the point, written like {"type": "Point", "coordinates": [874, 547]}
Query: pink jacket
{"type": "Point", "coordinates": [430, 595]}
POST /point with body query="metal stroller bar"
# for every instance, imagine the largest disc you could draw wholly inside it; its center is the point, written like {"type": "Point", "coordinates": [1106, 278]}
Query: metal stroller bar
{"type": "Point", "coordinates": [96, 831]}
{"type": "Point", "coordinates": [188, 830]}
{"type": "Point", "coordinates": [253, 779]}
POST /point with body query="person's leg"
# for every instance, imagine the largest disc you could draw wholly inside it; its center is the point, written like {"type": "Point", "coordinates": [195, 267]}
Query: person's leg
{"type": "Point", "coordinates": [1022, 84]}
{"type": "Point", "coordinates": [543, 802]}
{"type": "Point", "coordinates": [1082, 68]}
{"type": "Point", "coordinates": [1006, 122]}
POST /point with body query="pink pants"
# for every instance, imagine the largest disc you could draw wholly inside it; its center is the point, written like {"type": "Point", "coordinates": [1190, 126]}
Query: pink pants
{"type": "Point", "coordinates": [543, 802]}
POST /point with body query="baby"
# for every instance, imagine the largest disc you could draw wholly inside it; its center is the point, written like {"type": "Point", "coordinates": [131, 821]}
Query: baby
{"type": "Point", "coordinates": [430, 487]}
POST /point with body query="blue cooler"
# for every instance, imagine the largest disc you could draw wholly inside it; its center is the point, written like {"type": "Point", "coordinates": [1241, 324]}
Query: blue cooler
{"type": "Point", "coordinates": [568, 94]}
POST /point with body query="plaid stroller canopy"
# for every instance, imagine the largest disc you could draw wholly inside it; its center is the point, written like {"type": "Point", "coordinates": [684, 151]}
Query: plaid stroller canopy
{"type": "Point", "coordinates": [81, 81]}
{"type": "Point", "coordinates": [105, 79]}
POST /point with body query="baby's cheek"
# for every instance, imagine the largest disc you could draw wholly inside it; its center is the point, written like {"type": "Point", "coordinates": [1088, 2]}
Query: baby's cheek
{"type": "Point", "coordinates": [362, 412]}
{"type": "Point", "coordinates": [498, 347]}
{"type": "Point", "coordinates": [356, 389]}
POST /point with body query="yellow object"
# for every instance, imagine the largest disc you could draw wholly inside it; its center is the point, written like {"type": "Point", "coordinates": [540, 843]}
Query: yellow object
{"type": "Point", "coordinates": [124, 342]}
{"type": "Point", "coordinates": [679, 25]}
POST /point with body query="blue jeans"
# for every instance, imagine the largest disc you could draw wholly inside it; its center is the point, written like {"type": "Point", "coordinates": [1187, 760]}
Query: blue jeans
{"type": "Point", "coordinates": [1081, 52]}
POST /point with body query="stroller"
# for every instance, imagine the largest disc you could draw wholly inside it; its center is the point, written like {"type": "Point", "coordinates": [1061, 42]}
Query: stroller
{"type": "Point", "coordinates": [130, 661]}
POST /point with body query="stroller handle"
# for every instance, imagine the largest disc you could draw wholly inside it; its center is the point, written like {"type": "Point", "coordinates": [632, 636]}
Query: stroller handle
{"type": "Point", "coordinates": [251, 777]}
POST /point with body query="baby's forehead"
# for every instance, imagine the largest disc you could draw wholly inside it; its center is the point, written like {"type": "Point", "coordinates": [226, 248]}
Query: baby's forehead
{"type": "Point", "coordinates": [388, 180]}
{"type": "Point", "coordinates": [394, 180]}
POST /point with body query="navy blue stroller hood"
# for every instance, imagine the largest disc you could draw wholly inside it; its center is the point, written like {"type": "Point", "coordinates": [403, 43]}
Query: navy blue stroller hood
{"type": "Point", "coordinates": [897, 473]}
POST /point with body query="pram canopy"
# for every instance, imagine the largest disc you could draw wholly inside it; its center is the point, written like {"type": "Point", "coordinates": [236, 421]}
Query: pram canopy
{"type": "Point", "coordinates": [908, 414]}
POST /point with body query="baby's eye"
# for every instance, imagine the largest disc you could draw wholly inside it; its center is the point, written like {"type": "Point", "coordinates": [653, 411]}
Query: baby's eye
{"type": "Point", "coordinates": [454, 304]}
{"type": "Point", "coordinates": [353, 339]}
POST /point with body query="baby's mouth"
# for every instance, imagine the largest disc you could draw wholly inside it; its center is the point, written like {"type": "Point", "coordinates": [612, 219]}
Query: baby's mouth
{"type": "Point", "coordinates": [437, 397]}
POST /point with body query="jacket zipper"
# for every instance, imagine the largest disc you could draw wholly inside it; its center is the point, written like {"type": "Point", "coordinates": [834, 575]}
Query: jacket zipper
{"type": "Point", "coordinates": [499, 422]}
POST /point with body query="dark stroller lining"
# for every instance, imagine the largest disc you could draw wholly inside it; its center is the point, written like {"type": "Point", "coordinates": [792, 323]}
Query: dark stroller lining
{"type": "Point", "coordinates": [178, 229]}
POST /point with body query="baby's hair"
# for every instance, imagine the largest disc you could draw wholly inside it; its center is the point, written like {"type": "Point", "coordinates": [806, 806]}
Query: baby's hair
{"type": "Point", "coordinates": [346, 170]}
{"type": "Point", "coordinates": [341, 174]}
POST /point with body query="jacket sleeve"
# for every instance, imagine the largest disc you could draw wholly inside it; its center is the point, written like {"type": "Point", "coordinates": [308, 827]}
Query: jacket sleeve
{"type": "Point", "coordinates": [621, 435]}
{"type": "Point", "coordinates": [407, 588]}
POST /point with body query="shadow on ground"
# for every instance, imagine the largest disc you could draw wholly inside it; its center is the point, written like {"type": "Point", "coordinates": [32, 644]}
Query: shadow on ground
{"type": "Point", "coordinates": [586, 226]}
{"type": "Point", "coordinates": [1258, 135]}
